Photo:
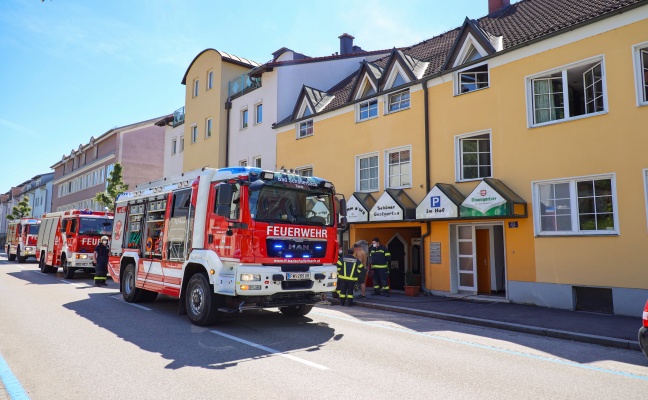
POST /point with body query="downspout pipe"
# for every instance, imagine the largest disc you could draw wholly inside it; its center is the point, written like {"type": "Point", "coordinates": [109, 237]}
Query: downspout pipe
{"type": "Point", "coordinates": [228, 107]}
{"type": "Point", "coordinates": [426, 120]}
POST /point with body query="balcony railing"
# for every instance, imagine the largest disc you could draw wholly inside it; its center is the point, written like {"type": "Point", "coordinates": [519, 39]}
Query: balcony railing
{"type": "Point", "coordinates": [178, 117]}
{"type": "Point", "coordinates": [241, 84]}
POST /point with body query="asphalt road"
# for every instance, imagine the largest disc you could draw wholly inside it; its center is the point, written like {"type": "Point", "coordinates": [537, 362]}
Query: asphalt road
{"type": "Point", "coordinates": [65, 339]}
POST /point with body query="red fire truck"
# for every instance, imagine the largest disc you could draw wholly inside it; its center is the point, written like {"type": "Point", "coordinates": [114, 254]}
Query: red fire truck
{"type": "Point", "coordinates": [230, 240]}
{"type": "Point", "coordinates": [21, 238]}
{"type": "Point", "coordinates": [68, 238]}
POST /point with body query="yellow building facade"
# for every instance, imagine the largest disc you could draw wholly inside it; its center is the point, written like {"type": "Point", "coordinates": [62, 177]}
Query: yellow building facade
{"type": "Point", "coordinates": [527, 180]}
{"type": "Point", "coordinates": [207, 91]}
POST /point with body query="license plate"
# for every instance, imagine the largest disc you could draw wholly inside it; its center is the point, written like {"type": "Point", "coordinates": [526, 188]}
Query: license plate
{"type": "Point", "coordinates": [297, 275]}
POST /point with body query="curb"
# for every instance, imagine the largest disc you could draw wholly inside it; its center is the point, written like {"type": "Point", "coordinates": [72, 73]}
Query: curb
{"type": "Point", "coordinates": [534, 330]}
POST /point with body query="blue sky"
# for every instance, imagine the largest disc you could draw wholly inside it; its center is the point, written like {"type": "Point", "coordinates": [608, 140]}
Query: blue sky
{"type": "Point", "coordinates": [72, 69]}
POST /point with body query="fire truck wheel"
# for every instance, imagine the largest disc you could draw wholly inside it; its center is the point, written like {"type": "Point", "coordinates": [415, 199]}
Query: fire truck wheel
{"type": "Point", "coordinates": [22, 259]}
{"type": "Point", "coordinates": [130, 292]}
{"type": "Point", "coordinates": [68, 272]}
{"type": "Point", "coordinates": [201, 303]}
{"type": "Point", "coordinates": [10, 257]}
{"type": "Point", "coordinates": [41, 264]}
{"type": "Point", "coordinates": [296, 311]}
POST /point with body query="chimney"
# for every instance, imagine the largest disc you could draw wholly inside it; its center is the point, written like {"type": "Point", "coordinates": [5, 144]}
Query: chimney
{"type": "Point", "coordinates": [346, 44]}
{"type": "Point", "coordinates": [497, 5]}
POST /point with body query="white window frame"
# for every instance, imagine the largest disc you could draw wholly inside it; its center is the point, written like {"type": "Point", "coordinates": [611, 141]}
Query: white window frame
{"type": "Point", "coordinates": [181, 144]}
{"type": "Point", "coordinates": [256, 160]}
{"type": "Point", "coordinates": [300, 170]}
{"type": "Point", "coordinates": [196, 87]}
{"type": "Point", "coordinates": [456, 76]}
{"type": "Point", "coordinates": [366, 81]}
{"type": "Point", "coordinates": [386, 165]}
{"type": "Point", "coordinates": [369, 107]}
{"type": "Point", "coordinates": [459, 155]}
{"type": "Point", "coordinates": [242, 163]}
{"type": "Point", "coordinates": [396, 69]}
{"type": "Point", "coordinates": [210, 79]}
{"type": "Point", "coordinates": [194, 133]}
{"type": "Point", "coordinates": [305, 123]}
{"type": "Point", "coordinates": [640, 80]}
{"type": "Point", "coordinates": [573, 198]}
{"type": "Point", "coordinates": [357, 171]}
{"type": "Point", "coordinates": [174, 146]}
{"type": "Point", "coordinates": [258, 121]}
{"type": "Point", "coordinates": [208, 128]}
{"type": "Point", "coordinates": [565, 92]}
{"type": "Point", "coordinates": [245, 118]}
{"type": "Point", "coordinates": [388, 97]}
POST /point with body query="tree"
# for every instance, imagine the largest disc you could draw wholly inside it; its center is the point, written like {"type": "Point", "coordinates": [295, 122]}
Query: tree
{"type": "Point", "coordinates": [20, 210]}
{"type": "Point", "coordinates": [115, 187]}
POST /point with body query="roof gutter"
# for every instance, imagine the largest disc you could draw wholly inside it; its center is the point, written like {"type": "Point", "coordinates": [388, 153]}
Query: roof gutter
{"type": "Point", "coordinates": [426, 121]}
{"type": "Point", "coordinates": [228, 107]}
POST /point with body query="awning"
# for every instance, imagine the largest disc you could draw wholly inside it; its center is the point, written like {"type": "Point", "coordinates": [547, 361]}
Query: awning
{"type": "Point", "coordinates": [442, 202]}
{"type": "Point", "coordinates": [393, 205]}
{"type": "Point", "coordinates": [358, 207]}
{"type": "Point", "coordinates": [492, 198]}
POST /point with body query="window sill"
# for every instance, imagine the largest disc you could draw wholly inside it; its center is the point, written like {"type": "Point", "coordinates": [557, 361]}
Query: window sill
{"type": "Point", "coordinates": [560, 121]}
{"type": "Point", "coordinates": [472, 91]}
{"type": "Point", "coordinates": [471, 179]}
{"type": "Point", "coordinates": [368, 191]}
{"type": "Point", "coordinates": [304, 137]}
{"type": "Point", "coordinates": [366, 119]}
{"type": "Point", "coordinates": [397, 111]}
{"type": "Point", "coordinates": [577, 234]}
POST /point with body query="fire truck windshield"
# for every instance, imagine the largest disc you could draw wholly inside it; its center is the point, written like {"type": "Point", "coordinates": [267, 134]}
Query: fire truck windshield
{"type": "Point", "coordinates": [291, 206]}
{"type": "Point", "coordinates": [95, 226]}
{"type": "Point", "coordinates": [33, 229]}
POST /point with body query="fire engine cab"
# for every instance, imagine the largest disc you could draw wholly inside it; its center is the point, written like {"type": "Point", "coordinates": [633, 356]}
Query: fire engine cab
{"type": "Point", "coordinates": [21, 238]}
{"type": "Point", "coordinates": [68, 238]}
{"type": "Point", "coordinates": [228, 240]}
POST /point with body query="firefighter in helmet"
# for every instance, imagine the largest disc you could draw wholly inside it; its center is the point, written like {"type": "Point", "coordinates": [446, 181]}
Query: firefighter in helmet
{"type": "Point", "coordinates": [349, 268]}
{"type": "Point", "coordinates": [101, 262]}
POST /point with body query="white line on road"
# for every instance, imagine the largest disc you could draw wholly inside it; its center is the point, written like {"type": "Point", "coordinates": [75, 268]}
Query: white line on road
{"type": "Point", "coordinates": [118, 298]}
{"type": "Point", "coordinates": [75, 284]}
{"type": "Point", "coordinates": [272, 351]}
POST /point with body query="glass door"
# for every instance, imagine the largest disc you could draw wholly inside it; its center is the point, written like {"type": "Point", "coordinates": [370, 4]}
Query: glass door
{"type": "Point", "coordinates": [466, 253]}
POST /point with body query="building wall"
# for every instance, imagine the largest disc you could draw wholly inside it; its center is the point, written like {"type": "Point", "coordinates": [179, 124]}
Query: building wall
{"type": "Point", "coordinates": [173, 161]}
{"type": "Point", "coordinates": [141, 153]}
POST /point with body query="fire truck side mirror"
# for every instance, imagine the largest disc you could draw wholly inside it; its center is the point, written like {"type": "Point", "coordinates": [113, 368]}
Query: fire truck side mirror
{"type": "Point", "coordinates": [224, 199]}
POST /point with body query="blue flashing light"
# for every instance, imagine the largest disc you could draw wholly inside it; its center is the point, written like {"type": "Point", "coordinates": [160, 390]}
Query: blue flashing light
{"type": "Point", "coordinates": [305, 256]}
{"type": "Point", "coordinates": [288, 256]}
{"type": "Point", "coordinates": [278, 246]}
{"type": "Point", "coordinates": [318, 247]}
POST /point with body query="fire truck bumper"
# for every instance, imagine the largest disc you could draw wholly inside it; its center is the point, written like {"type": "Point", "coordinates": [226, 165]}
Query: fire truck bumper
{"type": "Point", "coordinates": [265, 281]}
{"type": "Point", "coordinates": [81, 260]}
{"type": "Point", "coordinates": [29, 251]}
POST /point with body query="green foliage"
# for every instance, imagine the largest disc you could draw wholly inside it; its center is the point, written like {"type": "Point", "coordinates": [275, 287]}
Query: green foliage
{"type": "Point", "coordinates": [115, 187]}
{"type": "Point", "coordinates": [20, 210]}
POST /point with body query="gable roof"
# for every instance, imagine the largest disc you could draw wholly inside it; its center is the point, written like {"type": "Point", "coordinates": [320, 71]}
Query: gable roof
{"type": "Point", "coordinates": [469, 27]}
{"type": "Point", "coordinates": [230, 58]}
{"type": "Point", "coordinates": [316, 99]}
{"type": "Point", "coordinates": [520, 24]}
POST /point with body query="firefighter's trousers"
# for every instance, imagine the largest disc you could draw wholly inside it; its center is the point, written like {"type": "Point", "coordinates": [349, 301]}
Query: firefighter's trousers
{"type": "Point", "coordinates": [345, 287]}
{"type": "Point", "coordinates": [101, 272]}
{"type": "Point", "coordinates": [381, 279]}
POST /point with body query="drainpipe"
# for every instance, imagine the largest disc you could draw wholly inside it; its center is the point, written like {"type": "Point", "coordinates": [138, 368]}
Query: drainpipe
{"type": "Point", "coordinates": [228, 107]}
{"type": "Point", "coordinates": [426, 102]}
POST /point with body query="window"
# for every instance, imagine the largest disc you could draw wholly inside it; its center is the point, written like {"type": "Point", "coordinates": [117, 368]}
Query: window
{"type": "Point", "coordinates": [196, 87]}
{"type": "Point", "coordinates": [258, 113]}
{"type": "Point", "coordinates": [473, 156]}
{"type": "Point", "coordinates": [399, 171]}
{"type": "Point", "coordinates": [244, 119]}
{"type": "Point", "coordinates": [194, 134]}
{"type": "Point", "coordinates": [472, 79]}
{"type": "Point", "coordinates": [641, 73]}
{"type": "Point", "coordinates": [399, 101]}
{"type": "Point", "coordinates": [576, 206]}
{"type": "Point", "coordinates": [368, 109]}
{"type": "Point", "coordinates": [208, 128]}
{"type": "Point", "coordinates": [256, 161]}
{"type": "Point", "coordinates": [210, 80]}
{"type": "Point", "coordinates": [243, 163]}
{"type": "Point", "coordinates": [174, 145]}
{"type": "Point", "coordinates": [181, 144]}
{"type": "Point", "coordinates": [398, 81]}
{"type": "Point", "coordinates": [96, 151]}
{"type": "Point", "coordinates": [567, 93]}
{"type": "Point", "coordinates": [83, 159]}
{"type": "Point", "coordinates": [306, 128]}
{"type": "Point", "coordinates": [304, 171]}
{"type": "Point", "coordinates": [367, 178]}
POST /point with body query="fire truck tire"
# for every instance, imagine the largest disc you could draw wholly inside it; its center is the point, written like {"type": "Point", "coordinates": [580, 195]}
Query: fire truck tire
{"type": "Point", "coordinates": [130, 292]}
{"type": "Point", "coordinates": [296, 311]}
{"type": "Point", "coordinates": [41, 264]}
{"type": "Point", "coordinates": [68, 272]}
{"type": "Point", "coordinates": [22, 259]}
{"type": "Point", "coordinates": [10, 257]}
{"type": "Point", "coordinates": [201, 303]}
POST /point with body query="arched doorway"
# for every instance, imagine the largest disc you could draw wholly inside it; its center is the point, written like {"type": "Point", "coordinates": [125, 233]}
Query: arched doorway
{"type": "Point", "coordinates": [398, 249]}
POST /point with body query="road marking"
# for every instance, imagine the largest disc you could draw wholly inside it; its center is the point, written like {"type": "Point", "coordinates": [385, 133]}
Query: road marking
{"type": "Point", "coordinates": [119, 298]}
{"type": "Point", "coordinates": [11, 383]}
{"type": "Point", "coordinates": [272, 351]}
{"type": "Point", "coordinates": [75, 284]}
{"type": "Point", "coordinates": [488, 347]}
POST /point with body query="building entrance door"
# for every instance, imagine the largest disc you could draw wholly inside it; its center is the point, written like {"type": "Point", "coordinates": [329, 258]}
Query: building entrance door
{"type": "Point", "coordinates": [397, 266]}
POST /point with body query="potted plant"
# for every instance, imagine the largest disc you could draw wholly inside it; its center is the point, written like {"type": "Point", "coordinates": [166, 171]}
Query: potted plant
{"type": "Point", "coordinates": [411, 289]}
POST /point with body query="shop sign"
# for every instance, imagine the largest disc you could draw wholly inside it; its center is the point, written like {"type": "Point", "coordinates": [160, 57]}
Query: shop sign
{"type": "Point", "coordinates": [436, 205]}
{"type": "Point", "coordinates": [356, 211]}
{"type": "Point", "coordinates": [386, 209]}
{"type": "Point", "coordinates": [484, 201]}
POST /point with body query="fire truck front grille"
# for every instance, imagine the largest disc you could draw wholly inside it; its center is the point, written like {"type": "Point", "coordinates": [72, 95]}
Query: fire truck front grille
{"type": "Point", "coordinates": [295, 268]}
{"type": "Point", "coordinates": [296, 285]}
{"type": "Point", "coordinates": [289, 248]}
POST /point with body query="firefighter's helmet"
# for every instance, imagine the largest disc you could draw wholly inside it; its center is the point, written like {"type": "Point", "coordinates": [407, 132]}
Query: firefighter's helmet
{"type": "Point", "coordinates": [104, 238]}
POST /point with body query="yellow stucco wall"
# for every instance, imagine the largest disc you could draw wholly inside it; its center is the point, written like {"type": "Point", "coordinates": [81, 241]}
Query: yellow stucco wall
{"type": "Point", "coordinates": [208, 152]}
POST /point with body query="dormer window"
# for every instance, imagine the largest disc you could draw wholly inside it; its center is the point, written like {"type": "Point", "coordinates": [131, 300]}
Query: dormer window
{"type": "Point", "coordinates": [398, 81]}
{"type": "Point", "coordinates": [471, 79]}
{"type": "Point", "coordinates": [368, 90]}
{"type": "Point", "coordinates": [307, 112]}
{"type": "Point", "coordinates": [398, 101]}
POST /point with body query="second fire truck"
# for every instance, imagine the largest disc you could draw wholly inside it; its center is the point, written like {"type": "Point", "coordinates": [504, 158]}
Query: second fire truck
{"type": "Point", "coordinates": [21, 238]}
{"type": "Point", "coordinates": [67, 239]}
{"type": "Point", "coordinates": [232, 239]}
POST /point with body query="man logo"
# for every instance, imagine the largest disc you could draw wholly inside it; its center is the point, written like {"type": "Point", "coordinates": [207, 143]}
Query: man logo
{"type": "Point", "coordinates": [435, 201]}
{"type": "Point", "coordinates": [295, 246]}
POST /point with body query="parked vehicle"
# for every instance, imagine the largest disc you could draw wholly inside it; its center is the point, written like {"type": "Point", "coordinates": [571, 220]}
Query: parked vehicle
{"type": "Point", "coordinates": [21, 238]}
{"type": "Point", "coordinates": [643, 332]}
{"type": "Point", "coordinates": [67, 239]}
{"type": "Point", "coordinates": [234, 239]}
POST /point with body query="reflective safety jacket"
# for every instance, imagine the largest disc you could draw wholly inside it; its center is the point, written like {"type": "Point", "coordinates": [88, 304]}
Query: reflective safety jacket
{"type": "Point", "coordinates": [379, 256]}
{"type": "Point", "coordinates": [349, 268]}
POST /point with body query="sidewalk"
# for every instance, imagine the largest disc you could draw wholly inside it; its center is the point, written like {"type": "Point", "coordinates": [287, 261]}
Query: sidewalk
{"type": "Point", "coordinates": [603, 329]}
